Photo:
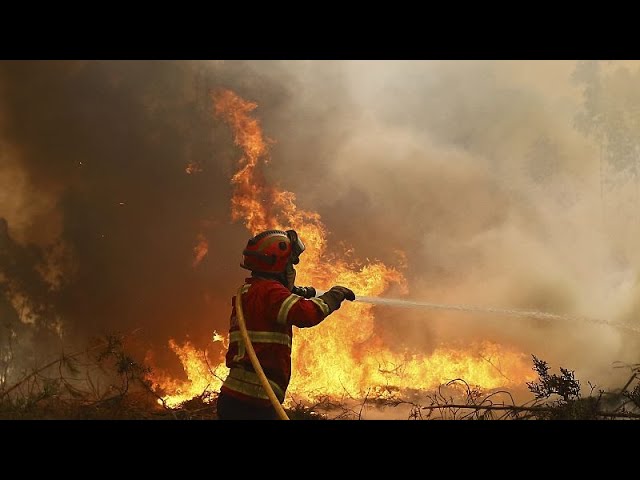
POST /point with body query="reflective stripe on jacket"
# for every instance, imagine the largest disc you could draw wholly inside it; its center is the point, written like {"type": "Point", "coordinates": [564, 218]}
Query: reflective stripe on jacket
{"type": "Point", "coordinates": [270, 312]}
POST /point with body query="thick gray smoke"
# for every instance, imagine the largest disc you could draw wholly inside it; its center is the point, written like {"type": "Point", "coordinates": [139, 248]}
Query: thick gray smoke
{"type": "Point", "coordinates": [507, 184]}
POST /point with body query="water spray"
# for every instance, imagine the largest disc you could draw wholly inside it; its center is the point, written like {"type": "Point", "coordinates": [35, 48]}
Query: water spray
{"type": "Point", "coordinates": [534, 314]}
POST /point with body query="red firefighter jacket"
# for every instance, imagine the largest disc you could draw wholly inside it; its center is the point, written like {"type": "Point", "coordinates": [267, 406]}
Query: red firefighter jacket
{"type": "Point", "coordinates": [270, 311]}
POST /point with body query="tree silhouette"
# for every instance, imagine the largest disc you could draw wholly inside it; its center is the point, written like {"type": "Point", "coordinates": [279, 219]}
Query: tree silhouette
{"type": "Point", "coordinates": [27, 313]}
{"type": "Point", "coordinates": [611, 116]}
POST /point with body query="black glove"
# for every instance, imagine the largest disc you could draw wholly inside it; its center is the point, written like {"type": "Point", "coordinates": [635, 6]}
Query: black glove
{"type": "Point", "coordinates": [347, 292]}
{"type": "Point", "coordinates": [335, 296]}
{"type": "Point", "coordinates": [306, 292]}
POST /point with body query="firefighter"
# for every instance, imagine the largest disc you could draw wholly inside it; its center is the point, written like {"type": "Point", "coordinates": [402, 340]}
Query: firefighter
{"type": "Point", "coordinates": [272, 305]}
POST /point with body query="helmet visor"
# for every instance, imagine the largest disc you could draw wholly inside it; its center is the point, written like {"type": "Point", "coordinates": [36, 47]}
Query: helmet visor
{"type": "Point", "coordinates": [297, 247]}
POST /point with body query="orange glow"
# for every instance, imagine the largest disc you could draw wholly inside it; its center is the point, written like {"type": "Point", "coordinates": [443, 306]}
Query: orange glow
{"type": "Point", "coordinates": [193, 167]}
{"type": "Point", "coordinates": [200, 250]}
{"type": "Point", "coordinates": [343, 355]}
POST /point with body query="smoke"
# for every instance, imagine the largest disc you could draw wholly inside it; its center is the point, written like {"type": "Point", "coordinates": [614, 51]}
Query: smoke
{"type": "Point", "coordinates": [480, 173]}
{"type": "Point", "coordinates": [117, 172]}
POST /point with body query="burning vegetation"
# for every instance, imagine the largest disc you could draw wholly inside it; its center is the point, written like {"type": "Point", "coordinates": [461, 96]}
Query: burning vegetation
{"type": "Point", "coordinates": [344, 356]}
{"type": "Point", "coordinates": [91, 224]}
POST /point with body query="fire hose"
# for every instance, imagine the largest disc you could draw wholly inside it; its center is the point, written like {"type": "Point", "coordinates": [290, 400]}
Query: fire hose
{"type": "Point", "coordinates": [282, 415]}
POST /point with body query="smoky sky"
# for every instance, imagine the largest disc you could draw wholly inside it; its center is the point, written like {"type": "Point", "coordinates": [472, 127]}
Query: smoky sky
{"type": "Point", "coordinates": [475, 170]}
{"type": "Point", "coordinates": [112, 139]}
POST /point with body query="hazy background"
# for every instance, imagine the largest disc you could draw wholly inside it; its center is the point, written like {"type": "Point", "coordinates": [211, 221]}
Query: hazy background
{"type": "Point", "coordinates": [506, 183]}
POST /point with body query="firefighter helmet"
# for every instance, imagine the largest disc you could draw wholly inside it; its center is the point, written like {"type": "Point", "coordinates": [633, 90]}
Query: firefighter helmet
{"type": "Point", "coordinates": [270, 251]}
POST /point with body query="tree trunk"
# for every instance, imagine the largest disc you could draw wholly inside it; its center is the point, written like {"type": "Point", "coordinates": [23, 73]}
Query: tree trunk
{"type": "Point", "coordinates": [602, 187]}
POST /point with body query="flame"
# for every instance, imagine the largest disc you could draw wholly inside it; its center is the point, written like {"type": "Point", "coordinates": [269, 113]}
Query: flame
{"type": "Point", "coordinates": [200, 250]}
{"type": "Point", "coordinates": [202, 375]}
{"type": "Point", "coordinates": [343, 355]}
